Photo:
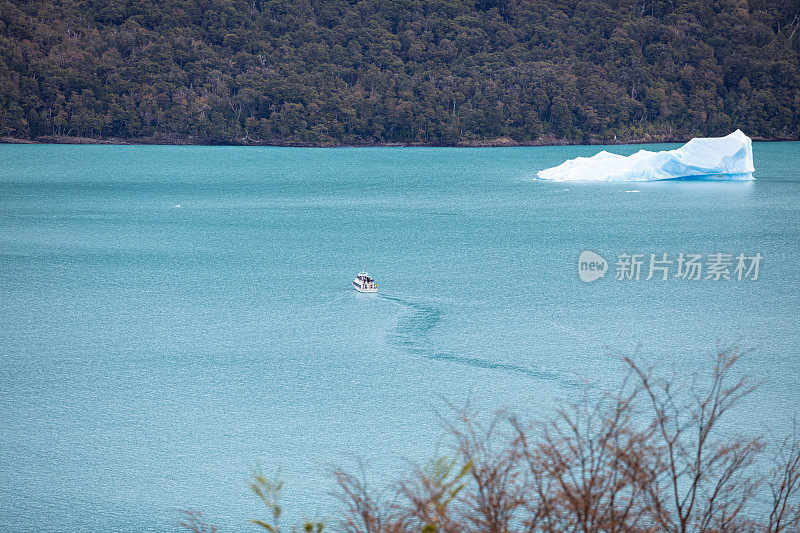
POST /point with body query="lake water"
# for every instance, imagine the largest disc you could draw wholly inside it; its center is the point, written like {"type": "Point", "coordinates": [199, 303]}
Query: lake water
{"type": "Point", "coordinates": [174, 316]}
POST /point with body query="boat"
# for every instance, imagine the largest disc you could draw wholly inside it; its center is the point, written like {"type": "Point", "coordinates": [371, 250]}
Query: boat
{"type": "Point", "coordinates": [364, 283]}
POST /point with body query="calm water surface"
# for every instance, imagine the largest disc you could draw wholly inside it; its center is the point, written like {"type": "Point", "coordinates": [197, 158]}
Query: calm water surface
{"type": "Point", "coordinates": [173, 316]}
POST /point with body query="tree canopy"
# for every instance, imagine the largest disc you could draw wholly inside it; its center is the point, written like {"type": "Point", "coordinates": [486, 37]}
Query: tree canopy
{"type": "Point", "coordinates": [439, 72]}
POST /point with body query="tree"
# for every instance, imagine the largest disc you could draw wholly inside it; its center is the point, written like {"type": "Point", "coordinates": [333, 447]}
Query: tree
{"type": "Point", "coordinates": [650, 455]}
{"type": "Point", "coordinates": [446, 72]}
{"type": "Point", "coordinates": [702, 481]}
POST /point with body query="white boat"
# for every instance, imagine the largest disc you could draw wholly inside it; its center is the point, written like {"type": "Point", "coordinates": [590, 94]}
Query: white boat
{"type": "Point", "coordinates": [364, 283]}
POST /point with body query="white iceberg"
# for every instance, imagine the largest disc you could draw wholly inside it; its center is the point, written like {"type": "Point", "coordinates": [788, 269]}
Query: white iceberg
{"type": "Point", "coordinates": [714, 158]}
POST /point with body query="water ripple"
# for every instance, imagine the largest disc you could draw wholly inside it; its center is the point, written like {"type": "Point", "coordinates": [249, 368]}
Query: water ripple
{"type": "Point", "coordinates": [415, 327]}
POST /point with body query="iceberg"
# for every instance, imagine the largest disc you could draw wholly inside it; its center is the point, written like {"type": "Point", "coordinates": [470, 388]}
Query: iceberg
{"type": "Point", "coordinates": [727, 158]}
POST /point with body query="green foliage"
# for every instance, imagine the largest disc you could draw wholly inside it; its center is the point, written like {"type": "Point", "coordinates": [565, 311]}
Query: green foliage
{"type": "Point", "coordinates": [447, 482]}
{"type": "Point", "coordinates": [269, 491]}
{"type": "Point", "coordinates": [413, 71]}
{"type": "Point", "coordinates": [311, 527]}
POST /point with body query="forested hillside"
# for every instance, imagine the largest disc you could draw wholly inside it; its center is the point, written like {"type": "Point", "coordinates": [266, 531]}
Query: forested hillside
{"type": "Point", "coordinates": [406, 71]}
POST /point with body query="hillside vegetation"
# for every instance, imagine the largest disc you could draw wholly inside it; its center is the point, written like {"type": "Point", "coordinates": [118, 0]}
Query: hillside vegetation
{"type": "Point", "coordinates": [405, 71]}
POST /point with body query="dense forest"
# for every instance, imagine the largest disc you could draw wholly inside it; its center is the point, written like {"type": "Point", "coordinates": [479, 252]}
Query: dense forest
{"type": "Point", "coordinates": [439, 72]}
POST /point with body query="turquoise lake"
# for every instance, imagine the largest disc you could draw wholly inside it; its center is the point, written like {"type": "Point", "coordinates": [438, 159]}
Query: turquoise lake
{"type": "Point", "coordinates": [173, 317]}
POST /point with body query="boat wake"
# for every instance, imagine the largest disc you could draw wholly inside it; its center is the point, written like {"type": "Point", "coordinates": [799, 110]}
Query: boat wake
{"type": "Point", "coordinates": [414, 329]}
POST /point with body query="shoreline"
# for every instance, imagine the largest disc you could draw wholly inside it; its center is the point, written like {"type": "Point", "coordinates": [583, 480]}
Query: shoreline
{"type": "Point", "coordinates": [499, 142]}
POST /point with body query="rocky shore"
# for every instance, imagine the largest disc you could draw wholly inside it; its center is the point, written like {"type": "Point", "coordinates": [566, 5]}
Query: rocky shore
{"type": "Point", "coordinates": [544, 140]}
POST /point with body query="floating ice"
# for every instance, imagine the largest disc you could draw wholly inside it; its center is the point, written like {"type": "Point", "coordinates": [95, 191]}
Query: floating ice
{"type": "Point", "coordinates": [716, 158]}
